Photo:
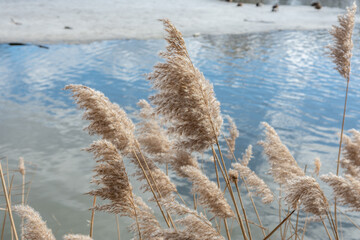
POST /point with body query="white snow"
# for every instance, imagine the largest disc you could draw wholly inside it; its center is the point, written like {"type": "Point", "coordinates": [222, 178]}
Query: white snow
{"type": "Point", "coordinates": [44, 21]}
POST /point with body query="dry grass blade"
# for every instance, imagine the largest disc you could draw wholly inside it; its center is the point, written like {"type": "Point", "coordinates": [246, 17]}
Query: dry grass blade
{"type": "Point", "coordinates": [34, 227]}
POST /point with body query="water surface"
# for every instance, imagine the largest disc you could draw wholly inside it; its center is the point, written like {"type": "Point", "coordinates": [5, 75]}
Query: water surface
{"type": "Point", "coordinates": [283, 78]}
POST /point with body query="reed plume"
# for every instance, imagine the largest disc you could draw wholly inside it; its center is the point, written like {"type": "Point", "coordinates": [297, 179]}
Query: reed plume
{"type": "Point", "coordinates": [306, 191]}
{"type": "Point", "coordinates": [234, 134]}
{"type": "Point", "coordinates": [76, 237]}
{"type": "Point", "coordinates": [106, 119]}
{"type": "Point", "coordinates": [21, 166]}
{"type": "Point", "coordinates": [115, 187]}
{"type": "Point", "coordinates": [351, 153]}
{"type": "Point", "coordinates": [252, 180]}
{"type": "Point", "coordinates": [317, 164]}
{"type": "Point", "coordinates": [181, 159]}
{"type": "Point", "coordinates": [340, 51]}
{"type": "Point", "coordinates": [185, 98]}
{"type": "Point", "coordinates": [152, 137]}
{"type": "Point", "coordinates": [210, 196]}
{"type": "Point", "coordinates": [195, 226]}
{"type": "Point", "coordinates": [34, 227]}
{"type": "Point", "coordinates": [283, 166]}
{"type": "Point", "coordinates": [346, 189]}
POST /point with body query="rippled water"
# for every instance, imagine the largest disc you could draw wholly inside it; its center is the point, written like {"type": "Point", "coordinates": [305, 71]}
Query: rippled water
{"type": "Point", "coordinates": [283, 78]}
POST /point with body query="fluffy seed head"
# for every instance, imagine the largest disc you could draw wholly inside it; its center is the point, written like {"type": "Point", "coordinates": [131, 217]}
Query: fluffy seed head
{"type": "Point", "coordinates": [34, 227]}
{"type": "Point", "coordinates": [106, 119]}
{"type": "Point", "coordinates": [351, 153]}
{"type": "Point", "coordinates": [210, 195]}
{"type": "Point", "coordinates": [283, 166]}
{"type": "Point", "coordinates": [341, 49]}
{"type": "Point", "coordinates": [305, 191]}
{"type": "Point", "coordinates": [76, 237]}
{"type": "Point", "coordinates": [184, 97]}
{"type": "Point", "coordinates": [317, 164]}
{"type": "Point", "coordinates": [234, 134]}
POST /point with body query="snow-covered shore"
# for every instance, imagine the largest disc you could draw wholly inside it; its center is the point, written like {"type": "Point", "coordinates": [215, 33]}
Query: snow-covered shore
{"type": "Point", "coordinates": [77, 21]}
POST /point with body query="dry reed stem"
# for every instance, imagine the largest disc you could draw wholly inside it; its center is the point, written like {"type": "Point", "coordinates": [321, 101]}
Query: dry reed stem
{"type": "Point", "coordinates": [77, 237]}
{"type": "Point", "coordinates": [8, 203]}
{"type": "Point", "coordinates": [34, 227]}
{"type": "Point", "coordinates": [22, 172]}
{"type": "Point", "coordinates": [277, 227]}
{"type": "Point", "coordinates": [5, 210]}
{"type": "Point", "coordinates": [92, 217]}
{"type": "Point", "coordinates": [117, 226]}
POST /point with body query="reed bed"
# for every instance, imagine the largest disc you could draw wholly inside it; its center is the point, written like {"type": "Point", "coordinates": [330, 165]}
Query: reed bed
{"type": "Point", "coordinates": [182, 121]}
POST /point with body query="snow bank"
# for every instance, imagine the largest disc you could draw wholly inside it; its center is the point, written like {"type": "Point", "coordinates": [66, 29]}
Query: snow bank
{"type": "Point", "coordinates": [76, 21]}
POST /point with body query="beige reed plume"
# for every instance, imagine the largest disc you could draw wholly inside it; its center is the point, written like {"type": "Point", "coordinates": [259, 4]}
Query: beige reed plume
{"type": "Point", "coordinates": [180, 159]}
{"type": "Point", "coordinates": [306, 191]}
{"type": "Point", "coordinates": [283, 166]}
{"type": "Point", "coordinates": [340, 51]}
{"type": "Point", "coordinates": [34, 227]}
{"type": "Point", "coordinates": [234, 134]}
{"type": "Point", "coordinates": [106, 119]}
{"type": "Point", "coordinates": [185, 98]}
{"type": "Point", "coordinates": [252, 180]}
{"type": "Point", "coordinates": [351, 153]}
{"type": "Point", "coordinates": [76, 237]}
{"type": "Point", "coordinates": [21, 166]}
{"type": "Point", "coordinates": [210, 196]}
{"type": "Point", "coordinates": [346, 189]}
{"type": "Point", "coordinates": [115, 187]}
{"type": "Point", "coordinates": [195, 226]}
{"type": "Point", "coordinates": [317, 164]}
{"type": "Point", "coordinates": [151, 136]}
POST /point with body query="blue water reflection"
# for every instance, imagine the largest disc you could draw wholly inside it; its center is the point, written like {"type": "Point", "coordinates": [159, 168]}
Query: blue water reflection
{"type": "Point", "coordinates": [284, 78]}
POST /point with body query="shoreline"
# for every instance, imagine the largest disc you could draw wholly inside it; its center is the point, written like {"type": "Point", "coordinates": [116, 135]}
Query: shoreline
{"type": "Point", "coordinates": [44, 22]}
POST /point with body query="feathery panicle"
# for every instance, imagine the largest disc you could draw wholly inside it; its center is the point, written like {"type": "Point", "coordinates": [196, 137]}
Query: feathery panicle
{"type": "Point", "coordinates": [149, 226]}
{"type": "Point", "coordinates": [252, 180]}
{"type": "Point", "coordinates": [195, 226]}
{"type": "Point", "coordinates": [234, 134]}
{"type": "Point", "coordinates": [162, 181]}
{"type": "Point", "coordinates": [210, 195]}
{"type": "Point", "coordinates": [306, 191]}
{"type": "Point", "coordinates": [76, 237]}
{"type": "Point", "coordinates": [185, 98]}
{"type": "Point", "coordinates": [234, 175]}
{"type": "Point", "coordinates": [351, 150]}
{"type": "Point", "coordinates": [346, 190]}
{"type": "Point", "coordinates": [34, 227]}
{"type": "Point", "coordinates": [247, 156]}
{"type": "Point", "coordinates": [107, 119]}
{"type": "Point", "coordinates": [283, 166]}
{"type": "Point", "coordinates": [181, 159]}
{"type": "Point", "coordinates": [21, 166]}
{"type": "Point", "coordinates": [112, 178]}
{"type": "Point", "coordinates": [317, 164]}
{"type": "Point", "coordinates": [111, 174]}
{"type": "Point", "coordinates": [340, 51]}
{"type": "Point", "coordinates": [152, 137]}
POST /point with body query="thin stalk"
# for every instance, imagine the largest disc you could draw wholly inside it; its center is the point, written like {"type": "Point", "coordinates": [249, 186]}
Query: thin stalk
{"type": "Point", "coordinates": [92, 218]}
{"type": "Point", "coordinates": [8, 203]}
{"type": "Point", "coordinates": [152, 190]}
{"type": "Point", "coordinates": [5, 214]}
{"type": "Point", "coordinates": [297, 223]}
{"type": "Point", "coordinates": [227, 230]}
{"type": "Point", "coordinates": [243, 209]}
{"type": "Point", "coordinates": [341, 137]}
{"type": "Point", "coordinates": [304, 228]}
{"type": "Point", "coordinates": [280, 208]}
{"type": "Point", "coordinates": [117, 226]}
{"type": "Point", "coordinates": [136, 218]}
{"type": "Point", "coordinates": [352, 221]}
{"type": "Point", "coordinates": [152, 178]}
{"type": "Point", "coordinates": [23, 203]}
{"type": "Point", "coordinates": [194, 201]}
{"type": "Point", "coordinates": [327, 231]}
{"type": "Point", "coordinates": [332, 225]}
{"type": "Point", "coordinates": [277, 227]}
{"type": "Point", "coordinates": [233, 199]}
{"type": "Point", "coordinates": [332, 221]}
